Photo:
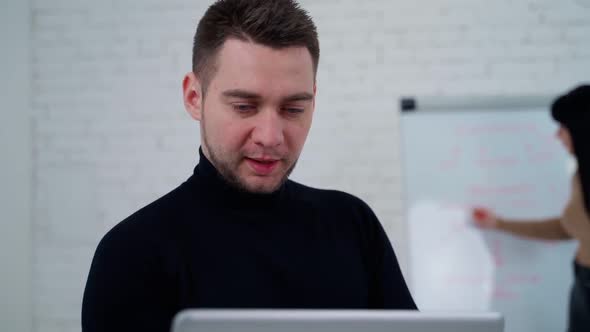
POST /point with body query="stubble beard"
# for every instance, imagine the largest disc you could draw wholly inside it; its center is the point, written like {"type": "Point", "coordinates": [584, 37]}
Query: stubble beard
{"type": "Point", "coordinates": [227, 168]}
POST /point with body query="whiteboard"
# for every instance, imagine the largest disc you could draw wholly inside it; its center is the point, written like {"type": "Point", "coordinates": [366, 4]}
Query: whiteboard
{"type": "Point", "coordinates": [505, 159]}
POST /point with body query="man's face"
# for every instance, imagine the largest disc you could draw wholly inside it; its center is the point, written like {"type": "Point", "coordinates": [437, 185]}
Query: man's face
{"type": "Point", "coordinates": [257, 113]}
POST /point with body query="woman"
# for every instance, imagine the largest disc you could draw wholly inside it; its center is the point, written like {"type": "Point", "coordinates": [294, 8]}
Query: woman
{"type": "Point", "coordinates": [572, 111]}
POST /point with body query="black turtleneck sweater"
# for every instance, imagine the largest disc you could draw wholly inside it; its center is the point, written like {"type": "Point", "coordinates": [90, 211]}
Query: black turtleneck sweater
{"type": "Point", "coordinates": [207, 245]}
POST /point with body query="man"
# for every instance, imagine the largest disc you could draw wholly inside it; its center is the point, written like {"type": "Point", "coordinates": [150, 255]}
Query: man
{"type": "Point", "coordinates": [237, 233]}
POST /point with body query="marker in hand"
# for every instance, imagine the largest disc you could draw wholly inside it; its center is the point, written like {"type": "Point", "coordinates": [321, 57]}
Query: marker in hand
{"type": "Point", "coordinates": [484, 218]}
{"type": "Point", "coordinates": [480, 213]}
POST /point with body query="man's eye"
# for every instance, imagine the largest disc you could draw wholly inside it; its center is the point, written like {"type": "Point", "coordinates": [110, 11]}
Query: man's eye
{"type": "Point", "coordinates": [294, 111]}
{"type": "Point", "coordinates": [243, 108]}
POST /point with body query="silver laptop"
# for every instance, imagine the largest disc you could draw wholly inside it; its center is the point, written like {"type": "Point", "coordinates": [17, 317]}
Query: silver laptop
{"type": "Point", "coordinates": [206, 320]}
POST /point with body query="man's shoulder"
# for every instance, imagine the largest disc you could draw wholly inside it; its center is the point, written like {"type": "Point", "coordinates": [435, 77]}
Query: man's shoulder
{"type": "Point", "coordinates": [335, 206]}
{"type": "Point", "coordinates": [152, 222]}
{"type": "Point", "coordinates": [327, 196]}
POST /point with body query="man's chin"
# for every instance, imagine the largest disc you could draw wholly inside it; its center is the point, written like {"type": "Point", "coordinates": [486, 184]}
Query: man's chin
{"type": "Point", "coordinates": [261, 186]}
{"type": "Point", "coordinates": [247, 181]}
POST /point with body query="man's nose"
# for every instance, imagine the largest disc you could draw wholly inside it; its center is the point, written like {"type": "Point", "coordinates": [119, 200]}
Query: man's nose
{"type": "Point", "coordinates": [268, 131]}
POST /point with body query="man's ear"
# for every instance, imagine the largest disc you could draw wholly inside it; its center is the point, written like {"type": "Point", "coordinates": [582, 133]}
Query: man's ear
{"type": "Point", "coordinates": [191, 90]}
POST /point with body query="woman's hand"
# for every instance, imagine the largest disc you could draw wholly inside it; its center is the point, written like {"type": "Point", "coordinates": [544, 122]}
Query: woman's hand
{"type": "Point", "coordinates": [484, 218]}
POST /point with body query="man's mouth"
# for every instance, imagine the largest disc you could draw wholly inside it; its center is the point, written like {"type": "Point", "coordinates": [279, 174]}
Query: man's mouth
{"type": "Point", "coordinates": [262, 166]}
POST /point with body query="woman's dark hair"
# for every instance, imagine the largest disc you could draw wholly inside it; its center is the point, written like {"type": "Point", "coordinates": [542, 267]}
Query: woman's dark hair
{"type": "Point", "coordinates": [572, 110]}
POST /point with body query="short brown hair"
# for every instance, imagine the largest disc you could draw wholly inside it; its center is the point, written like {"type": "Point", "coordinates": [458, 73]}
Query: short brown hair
{"type": "Point", "coordinates": [274, 23]}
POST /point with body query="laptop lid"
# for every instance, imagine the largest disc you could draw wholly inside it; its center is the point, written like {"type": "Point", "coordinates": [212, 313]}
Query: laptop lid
{"type": "Point", "coordinates": [209, 320]}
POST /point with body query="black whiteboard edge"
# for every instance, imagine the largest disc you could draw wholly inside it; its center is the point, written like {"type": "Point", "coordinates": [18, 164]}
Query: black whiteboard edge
{"type": "Point", "coordinates": [473, 103]}
{"type": "Point", "coordinates": [408, 104]}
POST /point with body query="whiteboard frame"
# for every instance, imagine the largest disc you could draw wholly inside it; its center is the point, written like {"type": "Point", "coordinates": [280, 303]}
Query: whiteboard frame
{"type": "Point", "coordinates": [471, 103]}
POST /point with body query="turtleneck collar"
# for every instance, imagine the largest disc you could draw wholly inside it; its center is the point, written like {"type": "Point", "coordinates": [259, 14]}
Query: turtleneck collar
{"type": "Point", "coordinates": [217, 190]}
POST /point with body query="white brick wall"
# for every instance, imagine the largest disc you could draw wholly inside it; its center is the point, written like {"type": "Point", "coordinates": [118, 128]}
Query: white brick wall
{"type": "Point", "coordinates": [111, 134]}
{"type": "Point", "coordinates": [16, 167]}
